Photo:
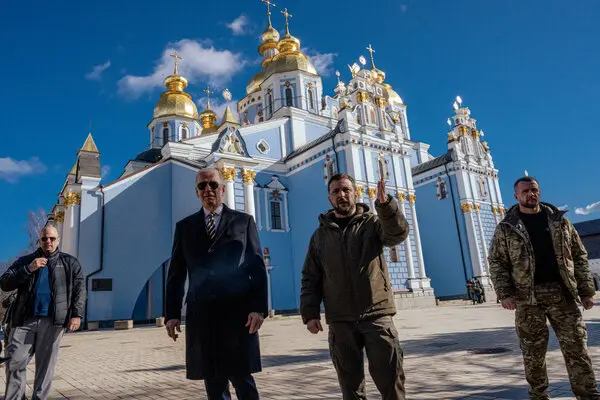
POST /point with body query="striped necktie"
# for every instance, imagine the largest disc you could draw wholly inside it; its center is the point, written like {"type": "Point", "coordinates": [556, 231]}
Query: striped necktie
{"type": "Point", "coordinates": [210, 227]}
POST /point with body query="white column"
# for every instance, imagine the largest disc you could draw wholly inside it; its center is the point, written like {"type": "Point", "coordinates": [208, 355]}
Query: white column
{"type": "Point", "coordinates": [257, 208]}
{"type": "Point", "coordinates": [248, 178]}
{"type": "Point", "coordinates": [229, 176]}
{"type": "Point", "coordinates": [412, 282]}
{"type": "Point", "coordinates": [71, 224]}
{"type": "Point", "coordinates": [424, 280]}
{"type": "Point", "coordinates": [285, 216]}
{"type": "Point", "coordinates": [483, 241]}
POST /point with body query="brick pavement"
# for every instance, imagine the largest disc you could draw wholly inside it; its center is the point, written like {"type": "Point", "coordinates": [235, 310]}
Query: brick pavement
{"type": "Point", "coordinates": [446, 357]}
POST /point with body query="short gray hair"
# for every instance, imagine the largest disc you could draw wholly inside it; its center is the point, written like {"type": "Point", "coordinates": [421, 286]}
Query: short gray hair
{"type": "Point", "coordinates": [50, 225]}
{"type": "Point", "coordinates": [210, 170]}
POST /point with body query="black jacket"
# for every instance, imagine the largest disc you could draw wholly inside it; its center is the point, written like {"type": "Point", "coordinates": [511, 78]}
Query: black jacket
{"type": "Point", "coordinates": [66, 282]}
{"type": "Point", "coordinates": [226, 281]}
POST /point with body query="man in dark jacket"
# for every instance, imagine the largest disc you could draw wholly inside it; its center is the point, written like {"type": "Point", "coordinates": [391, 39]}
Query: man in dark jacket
{"type": "Point", "coordinates": [50, 297]}
{"type": "Point", "coordinates": [345, 268]}
{"type": "Point", "coordinates": [218, 250]}
{"type": "Point", "coordinates": [540, 269]}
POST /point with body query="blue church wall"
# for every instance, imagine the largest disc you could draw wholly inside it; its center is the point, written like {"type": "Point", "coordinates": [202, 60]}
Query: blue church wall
{"type": "Point", "coordinates": [130, 263]}
{"type": "Point", "coordinates": [307, 199]}
{"type": "Point", "coordinates": [89, 231]}
{"type": "Point", "coordinates": [271, 136]}
{"type": "Point", "coordinates": [314, 131]}
{"type": "Point", "coordinates": [439, 240]}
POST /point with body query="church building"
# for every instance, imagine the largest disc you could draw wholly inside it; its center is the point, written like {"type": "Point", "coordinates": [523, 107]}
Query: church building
{"type": "Point", "coordinates": [276, 153]}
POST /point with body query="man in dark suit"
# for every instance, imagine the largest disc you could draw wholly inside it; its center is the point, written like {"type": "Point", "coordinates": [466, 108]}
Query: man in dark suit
{"type": "Point", "coordinates": [218, 250]}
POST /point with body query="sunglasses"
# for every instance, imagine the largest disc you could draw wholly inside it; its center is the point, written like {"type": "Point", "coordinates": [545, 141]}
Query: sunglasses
{"type": "Point", "coordinates": [48, 238]}
{"type": "Point", "coordinates": [212, 184]}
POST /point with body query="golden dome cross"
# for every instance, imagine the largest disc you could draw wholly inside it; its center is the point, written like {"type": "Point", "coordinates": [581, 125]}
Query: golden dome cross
{"type": "Point", "coordinates": [177, 58]}
{"type": "Point", "coordinates": [371, 50]}
{"type": "Point", "coordinates": [287, 16]}
{"type": "Point", "coordinates": [269, 3]}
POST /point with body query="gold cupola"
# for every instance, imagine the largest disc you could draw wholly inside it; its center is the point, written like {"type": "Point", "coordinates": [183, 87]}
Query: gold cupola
{"type": "Point", "coordinates": [175, 101]}
{"type": "Point", "coordinates": [208, 118]}
{"type": "Point", "coordinates": [268, 39]}
{"type": "Point", "coordinates": [288, 58]}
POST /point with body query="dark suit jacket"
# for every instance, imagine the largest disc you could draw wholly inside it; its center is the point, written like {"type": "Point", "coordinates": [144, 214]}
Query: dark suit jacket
{"type": "Point", "coordinates": [227, 281]}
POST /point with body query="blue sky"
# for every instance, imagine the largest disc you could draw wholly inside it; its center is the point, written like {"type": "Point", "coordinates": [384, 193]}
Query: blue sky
{"type": "Point", "coordinates": [527, 69]}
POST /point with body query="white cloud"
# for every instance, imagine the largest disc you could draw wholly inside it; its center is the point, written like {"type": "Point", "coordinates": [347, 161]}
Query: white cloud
{"type": "Point", "coordinates": [96, 73]}
{"type": "Point", "coordinates": [104, 171]}
{"type": "Point", "coordinates": [564, 207]}
{"type": "Point", "coordinates": [201, 62]}
{"type": "Point", "coordinates": [12, 170]}
{"type": "Point", "coordinates": [323, 62]}
{"type": "Point", "coordinates": [239, 26]}
{"type": "Point", "coordinates": [590, 208]}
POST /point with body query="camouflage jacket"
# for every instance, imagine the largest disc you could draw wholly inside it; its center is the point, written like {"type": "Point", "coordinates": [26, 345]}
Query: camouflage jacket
{"type": "Point", "coordinates": [512, 258]}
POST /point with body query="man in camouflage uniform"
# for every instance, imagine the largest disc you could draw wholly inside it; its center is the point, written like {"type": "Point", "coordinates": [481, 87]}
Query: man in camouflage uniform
{"type": "Point", "coordinates": [539, 267]}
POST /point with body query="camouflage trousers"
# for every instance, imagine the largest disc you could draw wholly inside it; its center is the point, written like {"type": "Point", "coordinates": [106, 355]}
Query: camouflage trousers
{"type": "Point", "coordinates": [557, 306]}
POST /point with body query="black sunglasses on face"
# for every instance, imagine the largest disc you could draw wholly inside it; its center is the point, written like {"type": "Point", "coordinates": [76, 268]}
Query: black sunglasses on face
{"type": "Point", "coordinates": [45, 238]}
{"type": "Point", "coordinates": [212, 184]}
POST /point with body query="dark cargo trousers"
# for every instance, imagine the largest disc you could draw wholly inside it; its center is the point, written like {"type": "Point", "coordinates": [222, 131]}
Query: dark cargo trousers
{"type": "Point", "coordinates": [558, 306]}
{"type": "Point", "coordinates": [379, 338]}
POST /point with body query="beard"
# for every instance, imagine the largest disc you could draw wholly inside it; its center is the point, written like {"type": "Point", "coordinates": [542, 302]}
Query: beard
{"type": "Point", "coordinates": [530, 203]}
{"type": "Point", "coordinates": [345, 209]}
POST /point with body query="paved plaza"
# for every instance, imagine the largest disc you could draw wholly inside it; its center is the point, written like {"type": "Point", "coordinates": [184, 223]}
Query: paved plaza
{"type": "Point", "coordinates": [451, 352]}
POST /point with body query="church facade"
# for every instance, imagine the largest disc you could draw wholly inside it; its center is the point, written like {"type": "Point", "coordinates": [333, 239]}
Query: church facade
{"type": "Point", "coordinates": [276, 156]}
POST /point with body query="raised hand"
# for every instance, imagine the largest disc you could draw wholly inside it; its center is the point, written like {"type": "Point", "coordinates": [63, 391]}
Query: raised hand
{"type": "Point", "coordinates": [382, 196]}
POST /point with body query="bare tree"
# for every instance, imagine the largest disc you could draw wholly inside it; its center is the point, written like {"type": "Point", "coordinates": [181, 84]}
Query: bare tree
{"type": "Point", "coordinates": [35, 222]}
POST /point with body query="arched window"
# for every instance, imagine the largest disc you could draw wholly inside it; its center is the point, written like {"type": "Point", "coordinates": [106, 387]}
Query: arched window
{"type": "Point", "coordinates": [366, 114]}
{"type": "Point", "coordinates": [311, 100]}
{"type": "Point", "coordinates": [289, 99]}
{"type": "Point", "coordinates": [373, 120]}
{"type": "Point", "coordinates": [165, 133]}
{"type": "Point", "coordinates": [184, 132]}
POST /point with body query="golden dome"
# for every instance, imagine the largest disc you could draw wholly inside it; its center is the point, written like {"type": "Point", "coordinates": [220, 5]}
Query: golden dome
{"type": "Point", "coordinates": [393, 97]}
{"type": "Point", "coordinates": [289, 58]}
{"type": "Point", "coordinates": [270, 34]}
{"type": "Point", "coordinates": [174, 101]}
{"type": "Point", "coordinates": [379, 75]}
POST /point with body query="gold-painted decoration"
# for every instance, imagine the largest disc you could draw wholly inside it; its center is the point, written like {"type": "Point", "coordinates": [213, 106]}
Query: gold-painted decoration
{"type": "Point", "coordinates": [248, 176]}
{"type": "Point", "coordinates": [462, 130]}
{"type": "Point", "coordinates": [360, 190]}
{"type": "Point", "coordinates": [466, 207]}
{"type": "Point", "coordinates": [228, 174]}
{"type": "Point", "coordinates": [59, 216]}
{"type": "Point", "coordinates": [412, 198]}
{"type": "Point", "coordinates": [475, 133]}
{"type": "Point", "coordinates": [381, 102]}
{"type": "Point", "coordinates": [401, 196]}
{"type": "Point", "coordinates": [361, 96]}
{"type": "Point", "coordinates": [72, 199]}
{"type": "Point", "coordinates": [476, 207]}
{"type": "Point", "coordinates": [372, 193]}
